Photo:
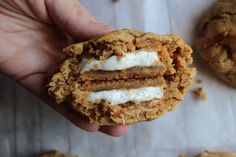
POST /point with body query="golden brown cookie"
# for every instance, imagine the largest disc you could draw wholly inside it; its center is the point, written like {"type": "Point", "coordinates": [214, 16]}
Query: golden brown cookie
{"type": "Point", "coordinates": [216, 154]}
{"type": "Point", "coordinates": [57, 154]}
{"type": "Point", "coordinates": [124, 76]}
{"type": "Point", "coordinates": [217, 39]}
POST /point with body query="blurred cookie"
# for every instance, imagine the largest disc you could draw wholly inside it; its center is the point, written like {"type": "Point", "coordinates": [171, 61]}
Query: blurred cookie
{"type": "Point", "coordinates": [124, 76]}
{"type": "Point", "coordinates": [57, 154]}
{"type": "Point", "coordinates": [217, 39]}
{"type": "Point", "coordinates": [216, 154]}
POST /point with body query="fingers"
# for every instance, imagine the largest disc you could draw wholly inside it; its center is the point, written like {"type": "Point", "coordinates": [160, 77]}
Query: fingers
{"type": "Point", "coordinates": [73, 116]}
{"type": "Point", "coordinates": [81, 122]}
{"type": "Point", "coordinates": [116, 131]}
{"type": "Point", "coordinates": [74, 19]}
{"type": "Point", "coordinates": [36, 84]}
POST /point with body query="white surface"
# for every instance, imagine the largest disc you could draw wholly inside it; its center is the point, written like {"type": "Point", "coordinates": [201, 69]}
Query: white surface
{"type": "Point", "coordinates": [116, 96]}
{"type": "Point", "coordinates": [128, 60]}
{"type": "Point", "coordinates": [30, 127]}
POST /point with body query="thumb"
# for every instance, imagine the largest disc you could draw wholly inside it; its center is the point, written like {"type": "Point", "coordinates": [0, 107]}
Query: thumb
{"type": "Point", "coordinates": [74, 19]}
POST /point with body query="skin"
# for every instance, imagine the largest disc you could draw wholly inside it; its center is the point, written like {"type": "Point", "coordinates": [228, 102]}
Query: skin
{"type": "Point", "coordinates": [32, 34]}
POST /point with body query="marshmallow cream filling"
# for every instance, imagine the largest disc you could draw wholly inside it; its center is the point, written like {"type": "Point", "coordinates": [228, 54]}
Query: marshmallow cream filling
{"type": "Point", "coordinates": [119, 96]}
{"type": "Point", "coordinates": [128, 60]}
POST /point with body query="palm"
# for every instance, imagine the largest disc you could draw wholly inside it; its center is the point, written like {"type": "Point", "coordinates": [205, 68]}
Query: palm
{"type": "Point", "coordinates": [31, 44]}
{"type": "Point", "coordinates": [31, 50]}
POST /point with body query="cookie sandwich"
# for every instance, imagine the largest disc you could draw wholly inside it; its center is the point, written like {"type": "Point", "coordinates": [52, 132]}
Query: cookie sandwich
{"type": "Point", "coordinates": [124, 76]}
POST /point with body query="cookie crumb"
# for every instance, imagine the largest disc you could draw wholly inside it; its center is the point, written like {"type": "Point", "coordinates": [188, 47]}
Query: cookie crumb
{"type": "Point", "coordinates": [199, 81]}
{"type": "Point", "coordinates": [200, 93]}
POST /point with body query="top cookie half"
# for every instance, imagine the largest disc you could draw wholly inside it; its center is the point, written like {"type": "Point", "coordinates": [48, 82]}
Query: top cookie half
{"type": "Point", "coordinates": [124, 76]}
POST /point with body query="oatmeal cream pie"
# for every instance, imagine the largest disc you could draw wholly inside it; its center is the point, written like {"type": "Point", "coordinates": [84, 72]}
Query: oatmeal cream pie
{"type": "Point", "coordinates": [124, 76]}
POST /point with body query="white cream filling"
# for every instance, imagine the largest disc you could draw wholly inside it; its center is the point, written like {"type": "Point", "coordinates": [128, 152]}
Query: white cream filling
{"type": "Point", "coordinates": [128, 60]}
{"type": "Point", "coordinates": [116, 97]}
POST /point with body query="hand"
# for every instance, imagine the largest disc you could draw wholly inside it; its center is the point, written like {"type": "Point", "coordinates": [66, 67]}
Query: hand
{"type": "Point", "coordinates": [32, 35]}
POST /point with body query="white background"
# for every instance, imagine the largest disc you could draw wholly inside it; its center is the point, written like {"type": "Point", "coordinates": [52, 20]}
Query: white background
{"type": "Point", "coordinates": [29, 127]}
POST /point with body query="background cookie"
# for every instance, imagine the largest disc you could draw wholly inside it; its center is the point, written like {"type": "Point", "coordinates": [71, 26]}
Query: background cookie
{"type": "Point", "coordinates": [217, 39]}
{"type": "Point", "coordinates": [216, 154]}
{"type": "Point", "coordinates": [57, 154]}
{"type": "Point", "coordinates": [124, 76]}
